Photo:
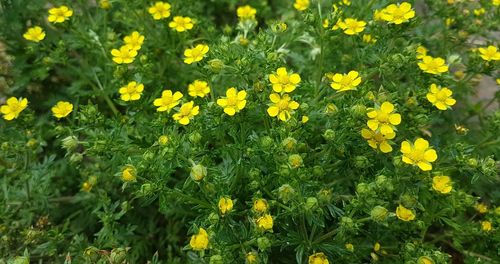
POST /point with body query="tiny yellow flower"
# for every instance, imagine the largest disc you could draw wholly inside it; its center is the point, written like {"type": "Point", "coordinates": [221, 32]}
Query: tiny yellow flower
{"type": "Point", "coordinates": [421, 52]}
{"type": "Point", "coordinates": [13, 107]}
{"type": "Point", "coordinates": [425, 260]}
{"type": "Point", "coordinates": [398, 14]}
{"type": "Point", "coordinates": [104, 4]}
{"type": "Point", "coordinates": [134, 41]}
{"type": "Point", "coordinates": [352, 26]}
{"type": "Point", "coordinates": [486, 226]}
{"type": "Point", "coordinates": [225, 205]}
{"type": "Point", "coordinates": [405, 214]}
{"type": "Point", "coordinates": [482, 208]}
{"type": "Point", "coordinates": [345, 82]}
{"type": "Point", "coordinates": [167, 101]}
{"type": "Point", "coordinates": [160, 10]}
{"type": "Point", "coordinates": [199, 241]}
{"type": "Point", "coordinates": [283, 81]}
{"type": "Point", "coordinates": [479, 11]}
{"type": "Point", "coordinates": [252, 257]}
{"type": "Point", "coordinates": [195, 54]}
{"type": "Point", "coordinates": [442, 184]}
{"type": "Point", "coordinates": [62, 109]}
{"type": "Point", "coordinates": [376, 247]}
{"type": "Point", "coordinates": [440, 97]}
{"type": "Point", "coordinates": [181, 24]}
{"type": "Point", "coordinates": [489, 53]}
{"type": "Point", "coordinates": [349, 247]}
{"type": "Point", "coordinates": [318, 258]}
{"type": "Point", "coordinates": [123, 55]}
{"type": "Point", "coordinates": [383, 118]}
{"type": "Point", "coordinates": [265, 222]}
{"type": "Point", "coordinates": [260, 205]}
{"type": "Point", "coordinates": [129, 173]}
{"type": "Point", "coordinates": [59, 14]}
{"type": "Point", "coordinates": [304, 119]}
{"type": "Point", "coordinates": [377, 140]}
{"type": "Point", "coordinates": [131, 92]}
{"type": "Point", "coordinates": [246, 12]}
{"type": "Point", "coordinates": [187, 112]}
{"type": "Point", "coordinates": [433, 65]}
{"type": "Point", "coordinates": [419, 154]}
{"type": "Point", "coordinates": [282, 106]}
{"type": "Point", "coordinates": [35, 34]}
{"type": "Point", "coordinates": [86, 186]}
{"type": "Point", "coordinates": [326, 23]}
{"type": "Point", "coordinates": [301, 5]}
{"type": "Point", "coordinates": [198, 89]}
{"type": "Point", "coordinates": [163, 140]}
{"type": "Point", "coordinates": [367, 38]}
{"type": "Point", "coordinates": [233, 102]}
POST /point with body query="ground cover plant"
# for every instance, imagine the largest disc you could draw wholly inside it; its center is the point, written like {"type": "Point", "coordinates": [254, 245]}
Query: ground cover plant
{"type": "Point", "coordinates": [259, 131]}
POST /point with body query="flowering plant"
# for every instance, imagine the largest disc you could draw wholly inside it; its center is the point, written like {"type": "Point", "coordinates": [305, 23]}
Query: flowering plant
{"type": "Point", "coordinates": [225, 131]}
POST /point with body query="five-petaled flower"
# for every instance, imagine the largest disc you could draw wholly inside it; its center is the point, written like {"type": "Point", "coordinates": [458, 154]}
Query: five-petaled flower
{"type": "Point", "coordinates": [442, 184]}
{"type": "Point", "coordinates": [198, 89]}
{"type": "Point", "coordinates": [13, 107]}
{"type": "Point", "coordinates": [186, 112]}
{"type": "Point", "coordinates": [351, 26]}
{"type": "Point", "coordinates": [62, 109]}
{"type": "Point", "coordinates": [160, 10]}
{"type": "Point", "coordinates": [134, 41]}
{"type": "Point", "coordinates": [265, 222]}
{"type": "Point", "coordinates": [131, 92]}
{"type": "Point", "coordinates": [377, 140]}
{"type": "Point", "coordinates": [383, 118]}
{"type": "Point", "coordinates": [490, 53]}
{"type": "Point", "coordinates": [195, 54]}
{"type": "Point", "coordinates": [167, 101]}
{"type": "Point", "coordinates": [181, 24]}
{"type": "Point", "coordinates": [59, 14]}
{"type": "Point", "coordinates": [318, 258]}
{"type": "Point", "coordinates": [199, 241]}
{"type": "Point", "coordinates": [225, 205]}
{"type": "Point", "coordinates": [398, 14]}
{"type": "Point", "coordinates": [234, 101]}
{"type": "Point", "coordinates": [433, 65]}
{"type": "Point", "coordinates": [123, 55]}
{"type": "Point", "coordinates": [282, 106]}
{"type": "Point", "coordinates": [301, 5]}
{"type": "Point", "coordinates": [440, 97]}
{"type": "Point", "coordinates": [283, 81]}
{"type": "Point", "coordinates": [246, 12]}
{"type": "Point", "coordinates": [404, 213]}
{"type": "Point", "coordinates": [345, 82]}
{"type": "Point", "coordinates": [35, 34]}
{"type": "Point", "coordinates": [129, 173]}
{"type": "Point", "coordinates": [419, 153]}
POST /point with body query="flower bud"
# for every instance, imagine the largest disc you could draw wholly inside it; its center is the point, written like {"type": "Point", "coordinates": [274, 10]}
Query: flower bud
{"type": "Point", "coordinates": [213, 218]}
{"type": "Point", "coordinates": [163, 140]}
{"type": "Point", "coordinates": [146, 189]}
{"type": "Point", "coordinates": [198, 172]}
{"type": "Point", "coordinates": [289, 143]}
{"type": "Point", "coordinates": [358, 110]}
{"type": "Point", "coordinates": [216, 259]}
{"type": "Point", "coordinates": [329, 135]}
{"type": "Point", "coordinates": [76, 158]}
{"type": "Point", "coordinates": [361, 162]}
{"type": "Point", "coordinates": [266, 141]}
{"type": "Point", "coordinates": [21, 260]}
{"type": "Point", "coordinates": [70, 143]}
{"type": "Point", "coordinates": [311, 203]}
{"type": "Point", "coordinates": [118, 255]}
{"type": "Point", "coordinates": [194, 137]}
{"type": "Point", "coordinates": [379, 213]}
{"type": "Point", "coordinates": [286, 193]}
{"type": "Point", "coordinates": [92, 254]}
{"type": "Point", "coordinates": [362, 188]}
{"type": "Point", "coordinates": [295, 161]}
{"type": "Point", "coordinates": [263, 243]}
{"type": "Point", "coordinates": [216, 65]}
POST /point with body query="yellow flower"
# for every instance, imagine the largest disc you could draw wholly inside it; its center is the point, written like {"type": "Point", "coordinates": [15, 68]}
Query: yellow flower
{"type": "Point", "coordinates": [442, 184]}
{"type": "Point", "coordinates": [398, 14]}
{"type": "Point", "coordinates": [283, 81]}
{"type": "Point", "coordinates": [318, 258]}
{"type": "Point", "coordinates": [282, 106]}
{"type": "Point", "coordinates": [495, 2]}
{"type": "Point", "coordinates": [482, 208]}
{"type": "Point", "coordinates": [405, 214]}
{"type": "Point", "coordinates": [377, 14]}
{"type": "Point", "coordinates": [367, 38]}
{"type": "Point", "coordinates": [304, 119]}
{"type": "Point", "coordinates": [489, 53]}
{"type": "Point", "coordinates": [62, 109]}
{"type": "Point", "coordinates": [486, 226]}
{"type": "Point", "coordinates": [132, 91]}
{"type": "Point", "coordinates": [59, 14]}
{"type": "Point", "coordinates": [163, 140]}
{"type": "Point", "coordinates": [252, 257]}
{"type": "Point", "coordinates": [160, 10]}
{"type": "Point", "coordinates": [265, 222]}
{"type": "Point", "coordinates": [479, 11]}
{"type": "Point", "coordinates": [129, 173]}
{"type": "Point", "coordinates": [301, 5]}
{"type": "Point", "coordinates": [433, 65]}
{"type": "Point", "coordinates": [295, 160]}
{"type": "Point", "coordinates": [123, 55]}
{"type": "Point", "coordinates": [198, 89]}
{"type": "Point", "coordinates": [195, 54]}
{"type": "Point", "coordinates": [86, 187]}
{"type": "Point", "coordinates": [349, 247]}
{"type": "Point", "coordinates": [421, 52]}
{"type": "Point", "coordinates": [326, 23]}
{"type": "Point", "coordinates": [167, 101]}
{"type": "Point", "coordinates": [425, 260]}
{"type": "Point", "coordinates": [419, 154]}
{"type": "Point", "coordinates": [134, 41]}
{"type": "Point", "coordinates": [35, 34]}
{"type": "Point", "coordinates": [187, 112]}
{"type": "Point", "coordinates": [384, 118]}
{"type": "Point", "coordinates": [199, 241]}
{"type": "Point", "coordinates": [345, 82]}
{"type": "Point", "coordinates": [13, 108]}
{"type": "Point", "coordinates": [225, 205]}
{"type": "Point", "coordinates": [352, 26]}
{"type": "Point", "coordinates": [234, 101]}
{"type": "Point", "coordinates": [376, 247]}
{"type": "Point", "coordinates": [377, 140]}
{"type": "Point", "coordinates": [440, 97]}
{"type": "Point", "coordinates": [246, 12]}
{"type": "Point", "coordinates": [104, 4]}
{"type": "Point", "coordinates": [181, 24]}
{"type": "Point", "coordinates": [260, 205]}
